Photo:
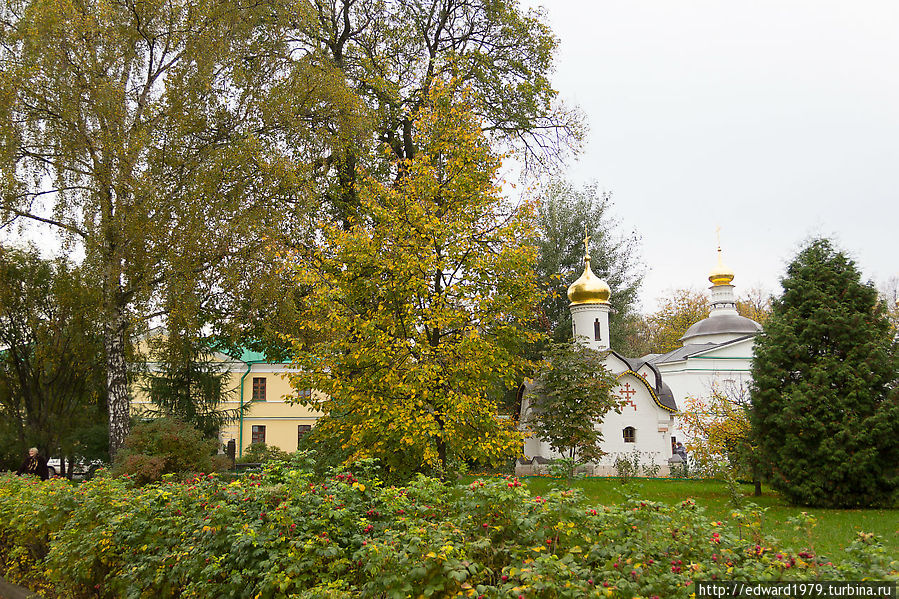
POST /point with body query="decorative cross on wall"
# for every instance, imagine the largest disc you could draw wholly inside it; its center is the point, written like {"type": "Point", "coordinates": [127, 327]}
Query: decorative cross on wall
{"type": "Point", "coordinates": [628, 393]}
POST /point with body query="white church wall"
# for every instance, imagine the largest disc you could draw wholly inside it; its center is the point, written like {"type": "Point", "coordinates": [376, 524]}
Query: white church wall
{"type": "Point", "coordinates": [652, 430]}
{"type": "Point", "coordinates": [648, 421]}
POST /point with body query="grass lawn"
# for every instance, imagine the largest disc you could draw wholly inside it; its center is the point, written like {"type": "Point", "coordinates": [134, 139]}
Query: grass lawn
{"type": "Point", "coordinates": [834, 530]}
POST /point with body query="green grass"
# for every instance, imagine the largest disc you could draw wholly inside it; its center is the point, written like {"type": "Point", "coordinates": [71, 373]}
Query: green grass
{"type": "Point", "coordinates": [834, 529]}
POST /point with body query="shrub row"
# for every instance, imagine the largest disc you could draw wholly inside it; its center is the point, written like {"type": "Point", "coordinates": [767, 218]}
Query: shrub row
{"type": "Point", "coordinates": [283, 534]}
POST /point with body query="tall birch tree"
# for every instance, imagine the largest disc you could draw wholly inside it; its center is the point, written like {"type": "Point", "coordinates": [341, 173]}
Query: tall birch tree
{"type": "Point", "coordinates": [154, 135]}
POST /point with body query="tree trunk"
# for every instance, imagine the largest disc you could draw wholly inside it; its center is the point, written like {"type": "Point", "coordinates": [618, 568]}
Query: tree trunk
{"type": "Point", "coordinates": [116, 379]}
{"type": "Point", "coordinates": [758, 487]}
{"type": "Point", "coordinates": [442, 457]}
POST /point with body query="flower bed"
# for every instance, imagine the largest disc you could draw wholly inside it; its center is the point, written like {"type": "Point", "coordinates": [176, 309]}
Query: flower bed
{"type": "Point", "coordinates": [282, 533]}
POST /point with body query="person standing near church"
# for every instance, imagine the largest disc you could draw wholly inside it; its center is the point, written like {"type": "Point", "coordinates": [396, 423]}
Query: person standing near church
{"type": "Point", "coordinates": [34, 464]}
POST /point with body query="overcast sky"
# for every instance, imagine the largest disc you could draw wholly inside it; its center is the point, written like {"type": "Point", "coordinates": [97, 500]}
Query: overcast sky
{"type": "Point", "coordinates": [775, 119]}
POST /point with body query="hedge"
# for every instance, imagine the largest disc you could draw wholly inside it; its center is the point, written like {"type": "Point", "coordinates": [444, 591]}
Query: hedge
{"type": "Point", "coordinates": [283, 533]}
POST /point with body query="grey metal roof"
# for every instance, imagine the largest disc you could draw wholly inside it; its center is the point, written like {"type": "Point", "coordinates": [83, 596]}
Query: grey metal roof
{"type": "Point", "coordinates": [724, 323]}
{"type": "Point", "coordinates": [682, 353]}
{"type": "Point", "coordinates": [662, 390]}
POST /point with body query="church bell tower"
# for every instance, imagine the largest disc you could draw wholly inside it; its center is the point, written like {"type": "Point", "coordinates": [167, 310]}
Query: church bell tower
{"type": "Point", "coordinates": [589, 297]}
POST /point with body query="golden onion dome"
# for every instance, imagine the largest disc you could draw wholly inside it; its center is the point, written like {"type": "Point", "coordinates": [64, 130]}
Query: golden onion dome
{"type": "Point", "coordinates": [721, 275]}
{"type": "Point", "coordinates": [589, 289]}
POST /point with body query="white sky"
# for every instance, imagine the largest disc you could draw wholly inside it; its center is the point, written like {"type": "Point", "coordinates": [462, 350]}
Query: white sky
{"type": "Point", "coordinates": [775, 119]}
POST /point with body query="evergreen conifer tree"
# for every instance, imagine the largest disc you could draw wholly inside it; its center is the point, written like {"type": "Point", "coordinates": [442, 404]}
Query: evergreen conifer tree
{"type": "Point", "coordinates": [825, 413]}
{"type": "Point", "coordinates": [188, 383]}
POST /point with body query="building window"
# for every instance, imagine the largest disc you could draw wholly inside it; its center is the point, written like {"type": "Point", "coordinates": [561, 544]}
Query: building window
{"type": "Point", "coordinates": [302, 429]}
{"type": "Point", "coordinates": [258, 433]}
{"type": "Point", "coordinates": [304, 393]}
{"type": "Point", "coordinates": [597, 331]}
{"type": "Point", "coordinates": [630, 435]}
{"type": "Point", "coordinates": [259, 389]}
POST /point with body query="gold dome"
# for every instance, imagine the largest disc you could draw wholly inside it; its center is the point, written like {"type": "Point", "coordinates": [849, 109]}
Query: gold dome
{"type": "Point", "coordinates": [589, 289]}
{"type": "Point", "coordinates": [721, 275]}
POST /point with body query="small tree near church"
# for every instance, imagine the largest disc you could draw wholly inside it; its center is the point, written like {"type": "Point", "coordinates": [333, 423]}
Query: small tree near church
{"type": "Point", "coordinates": [573, 393]}
{"type": "Point", "coordinates": [825, 411]}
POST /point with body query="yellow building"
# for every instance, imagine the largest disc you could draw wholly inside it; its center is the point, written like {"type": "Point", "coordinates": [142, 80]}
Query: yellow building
{"type": "Point", "coordinates": [264, 388]}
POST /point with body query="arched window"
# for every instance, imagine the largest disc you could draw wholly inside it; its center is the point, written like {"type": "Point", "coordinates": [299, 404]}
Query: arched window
{"type": "Point", "coordinates": [630, 435]}
{"type": "Point", "coordinates": [597, 331]}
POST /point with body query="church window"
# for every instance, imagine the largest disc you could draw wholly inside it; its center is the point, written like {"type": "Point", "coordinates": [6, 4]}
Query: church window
{"type": "Point", "coordinates": [597, 331]}
{"type": "Point", "coordinates": [630, 435]}
{"type": "Point", "coordinates": [258, 433]}
{"type": "Point", "coordinates": [259, 389]}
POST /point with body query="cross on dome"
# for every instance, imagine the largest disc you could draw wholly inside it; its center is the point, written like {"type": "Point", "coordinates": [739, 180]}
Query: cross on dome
{"type": "Point", "coordinates": [721, 274]}
{"type": "Point", "coordinates": [586, 242]}
{"type": "Point", "coordinates": [588, 289]}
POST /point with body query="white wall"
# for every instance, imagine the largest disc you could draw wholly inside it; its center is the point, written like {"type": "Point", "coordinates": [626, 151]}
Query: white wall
{"type": "Point", "coordinates": [644, 415]}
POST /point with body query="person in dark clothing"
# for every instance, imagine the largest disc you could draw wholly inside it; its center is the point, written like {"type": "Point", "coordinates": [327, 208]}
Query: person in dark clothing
{"type": "Point", "coordinates": [34, 464]}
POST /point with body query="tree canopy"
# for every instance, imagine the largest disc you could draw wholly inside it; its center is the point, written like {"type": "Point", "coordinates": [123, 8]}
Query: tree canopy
{"type": "Point", "coordinates": [51, 383]}
{"type": "Point", "coordinates": [392, 52]}
{"type": "Point", "coordinates": [825, 411]}
{"type": "Point", "coordinates": [154, 135]}
{"type": "Point", "coordinates": [420, 303]}
{"type": "Point", "coordinates": [563, 213]}
{"type": "Point", "coordinates": [172, 141]}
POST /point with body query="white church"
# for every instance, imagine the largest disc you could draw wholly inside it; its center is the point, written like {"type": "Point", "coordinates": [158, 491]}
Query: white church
{"type": "Point", "coordinates": [716, 351]}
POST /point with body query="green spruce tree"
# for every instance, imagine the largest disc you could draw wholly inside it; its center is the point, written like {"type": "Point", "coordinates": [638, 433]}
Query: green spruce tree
{"type": "Point", "coordinates": [186, 382]}
{"type": "Point", "coordinates": [825, 414]}
{"type": "Point", "coordinates": [562, 215]}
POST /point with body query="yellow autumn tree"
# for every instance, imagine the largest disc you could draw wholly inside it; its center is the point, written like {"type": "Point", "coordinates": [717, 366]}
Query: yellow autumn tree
{"type": "Point", "coordinates": [678, 312]}
{"type": "Point", "coordinates": [755, 304]}
{"type": "Point", "coordinates": [420, 303]}
{"type": "Point", "coordinates": [719, 433]}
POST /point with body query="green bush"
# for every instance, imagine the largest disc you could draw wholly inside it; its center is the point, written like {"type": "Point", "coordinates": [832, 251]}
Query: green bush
{"type": "Point", "coordinates": [163, 446]}
{"type": "Point", "coordinates": [261, 453]}
{"type": "Point", "coordinates": [281, 533]}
